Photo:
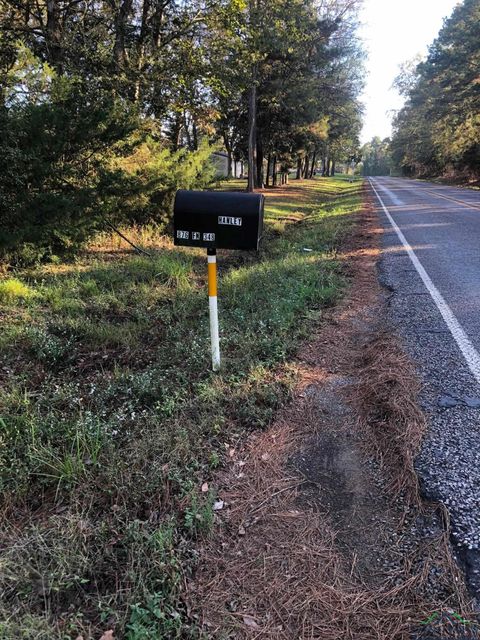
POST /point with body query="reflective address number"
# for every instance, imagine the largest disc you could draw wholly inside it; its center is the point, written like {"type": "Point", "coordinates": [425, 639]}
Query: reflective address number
{"type": "Point", "coordinates": [185, 235]}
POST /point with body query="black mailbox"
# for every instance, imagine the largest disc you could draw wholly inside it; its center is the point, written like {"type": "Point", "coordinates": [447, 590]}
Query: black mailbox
{"type": "Point", "coordinates": [218, 219]}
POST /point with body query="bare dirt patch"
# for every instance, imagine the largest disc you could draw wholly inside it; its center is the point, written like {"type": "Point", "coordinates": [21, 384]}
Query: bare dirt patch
{"type": "Point", "coordinates": [322, 533]}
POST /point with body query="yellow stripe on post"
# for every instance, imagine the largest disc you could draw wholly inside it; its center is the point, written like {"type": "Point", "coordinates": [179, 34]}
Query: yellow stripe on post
{"type": "Point", "coordinates": [212, 278]}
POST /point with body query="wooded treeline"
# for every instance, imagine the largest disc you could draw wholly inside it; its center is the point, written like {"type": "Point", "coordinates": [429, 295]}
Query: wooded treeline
{"type": "Point", "coordinates": [376, 157]}
{"type": "Point", "coordinates": [437, 132]}
{"type": "Point", "coordinates": [108, 106]}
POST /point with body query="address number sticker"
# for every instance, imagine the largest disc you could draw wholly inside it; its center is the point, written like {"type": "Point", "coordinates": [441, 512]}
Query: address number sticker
{"type": "Point", "coordinates": [234, 222]}
{"type": "Point", "coordinates": [196, 235]}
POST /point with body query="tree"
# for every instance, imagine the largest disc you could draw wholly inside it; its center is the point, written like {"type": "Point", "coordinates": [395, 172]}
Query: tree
{"type": "Point", "coordinates": [276, 81]}
{"type": "Point", "coordinates": [376, 157]}
{"type": "Point", "coordinates": [438, 129]}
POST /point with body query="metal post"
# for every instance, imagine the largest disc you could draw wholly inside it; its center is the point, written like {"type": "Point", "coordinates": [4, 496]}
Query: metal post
{"type": "Point", "coordinates": [212, 301]}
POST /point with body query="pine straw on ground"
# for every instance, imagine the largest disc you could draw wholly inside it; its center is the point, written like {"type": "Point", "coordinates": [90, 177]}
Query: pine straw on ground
{"type": "Point", "coordinates": [273, 567]}
{"type": "Point", "coordinates": [386, 398]}
{"type": "Point", "coordinates": [275, 570]}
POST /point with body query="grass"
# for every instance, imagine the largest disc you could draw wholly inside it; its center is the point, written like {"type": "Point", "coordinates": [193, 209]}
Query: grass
{"type": "Point", "coordinates": [111, 420]}
{"type": "Point", "coordinates": [12, 290]}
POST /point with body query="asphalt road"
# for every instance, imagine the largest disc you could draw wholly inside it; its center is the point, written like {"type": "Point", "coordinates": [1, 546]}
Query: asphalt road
{"type": "Point", "coordinates": [431, 265]}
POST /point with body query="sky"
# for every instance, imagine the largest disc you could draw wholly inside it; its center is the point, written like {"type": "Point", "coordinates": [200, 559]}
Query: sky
{"type": "Point", "coordinates": [394, 32]}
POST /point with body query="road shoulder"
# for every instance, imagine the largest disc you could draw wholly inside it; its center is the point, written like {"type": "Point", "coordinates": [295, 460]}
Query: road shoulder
{"type": "Point", "coordinates": [321, 531]}
{"type": "Point", "coordinates": [448, 462]}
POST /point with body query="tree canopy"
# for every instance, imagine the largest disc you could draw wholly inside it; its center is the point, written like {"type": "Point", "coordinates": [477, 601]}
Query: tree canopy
{"type": "Point", "coordinates": [376, 159]}
{"type": "Point", "coordinates": [107, 107]}
{"type": "Point", "coordinates": [438, 129]}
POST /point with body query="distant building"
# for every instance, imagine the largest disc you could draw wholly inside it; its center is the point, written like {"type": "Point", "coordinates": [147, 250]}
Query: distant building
{"type": "Point", "coordinates": [220, 160]}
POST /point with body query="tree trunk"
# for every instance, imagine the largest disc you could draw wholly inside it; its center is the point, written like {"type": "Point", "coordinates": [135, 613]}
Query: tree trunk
{"type": "Point", "coordinates": [176, 133]}
{"type": "Point", "coordinates": [324, 166]}
{"type": "Point", "coordinates": [314, 162]}
{"type": "Point", "coordinates": [333, 167]}
{"type": "Point", "coordinates": [269, 166]}
{"type": "Point", "coordinates": [252, 131]}
{"type": "Point", "coordinates": [119, 50]}
{"type": "Point", "coordinates": [54, 35]}
{"type": "Point", "coordinates": [141, 48]}
{"type": "Point", "coordinates": [327, 168]}
{"type": "Point", "coordinates": [228, 149]}
{"type": "Point", "coordinates": [194, 134]}
{"type": "Point", "coordinates": [229, 165]}
{"type": "Point", "coordinates": [306, 167]}
{"type": "Point", "coordinates": [144, 27]}
{"type": "Point", "coordinates": [299, 168]}
{"type": "Point", "coordinates": [259, 163]}
{"type": "Point", "coordinates": [186, 126]}
{"type": "Point", "coordinates": [274, 171]}
{"type": "Point", "coordinates": [157, 21]}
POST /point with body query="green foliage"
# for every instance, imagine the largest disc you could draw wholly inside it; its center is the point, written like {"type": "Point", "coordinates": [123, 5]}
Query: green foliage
{"type": "Point", "coordinates": [54, 450]}
{"type": "Point", "coordinates": [153, 174]}
{"type": "Point", "coordinates": [74, 157]}
{"type": "Point", "coordinates": [52, 170]}
{"type": "Point", "coordinates": [148, 621]}
{"type": "Point", "coordinates": [77, 161]}
{"type": "Point", "coordinates": [46, 346]}
{"type": "Point", "coordinates": [376, 158]}
{"type": "Point", "coordinates": [107, 108]}
{"type": "Point", "coordinates": [292, 51]}
{"type": "Point", "coordinates": [438, 129]}
{"type": "Point", "coordinates": [12, 289]}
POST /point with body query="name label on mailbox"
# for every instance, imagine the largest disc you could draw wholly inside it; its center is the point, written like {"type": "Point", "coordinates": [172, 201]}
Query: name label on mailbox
{"type": "Point", "coordinates": [235, 222]}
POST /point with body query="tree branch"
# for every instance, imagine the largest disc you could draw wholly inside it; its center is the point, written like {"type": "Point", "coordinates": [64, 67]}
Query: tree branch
{"type": "Point", "coordinates": [113, 228]}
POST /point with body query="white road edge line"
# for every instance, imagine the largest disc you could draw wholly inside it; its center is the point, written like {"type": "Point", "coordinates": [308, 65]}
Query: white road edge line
{"type": "Point", "coordinates": [470, 354]}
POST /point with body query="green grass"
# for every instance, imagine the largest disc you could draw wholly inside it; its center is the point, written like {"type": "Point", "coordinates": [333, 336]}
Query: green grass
{"type": "Point", "coordinates": [12, 290]}
{"type": "Point", "coordinates": [111, 419]}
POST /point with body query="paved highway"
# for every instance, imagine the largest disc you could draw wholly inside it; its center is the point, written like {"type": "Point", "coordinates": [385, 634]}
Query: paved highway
{"type": "Point", "coordinates": [431, 264]}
